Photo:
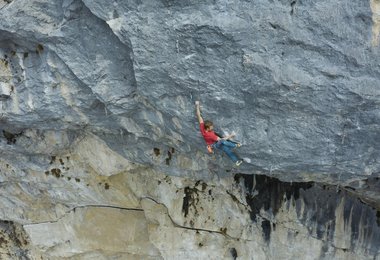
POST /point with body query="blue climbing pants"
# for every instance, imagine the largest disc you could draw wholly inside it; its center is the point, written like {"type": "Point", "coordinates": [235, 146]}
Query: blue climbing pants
{"type": "Point", "coordinates": [226, 147]}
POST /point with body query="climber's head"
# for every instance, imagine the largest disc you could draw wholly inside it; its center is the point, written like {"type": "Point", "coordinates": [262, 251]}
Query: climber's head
{"type": "Point", "coordinates": [209, 126]}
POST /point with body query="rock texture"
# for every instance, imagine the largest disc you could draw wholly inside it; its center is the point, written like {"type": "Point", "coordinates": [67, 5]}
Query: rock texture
{"type": "Point", "coordinates": [101, 156]}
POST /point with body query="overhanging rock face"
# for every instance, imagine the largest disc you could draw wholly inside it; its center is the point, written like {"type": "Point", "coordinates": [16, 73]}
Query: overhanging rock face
{"type": "Point", "coordinates": [298, 82]}
{"type": "Point", "coordinates": [93, 90]}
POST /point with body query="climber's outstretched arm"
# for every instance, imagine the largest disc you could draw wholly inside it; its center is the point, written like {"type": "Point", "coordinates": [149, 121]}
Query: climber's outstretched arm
{"type": "Point", "coordinates": [198, 111]}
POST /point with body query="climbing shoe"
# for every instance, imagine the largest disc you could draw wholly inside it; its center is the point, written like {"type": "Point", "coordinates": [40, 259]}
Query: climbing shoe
{"type": "Point", "coordinates": [238, 162]}
{"type": "Point", "coordinates": [237, 145]}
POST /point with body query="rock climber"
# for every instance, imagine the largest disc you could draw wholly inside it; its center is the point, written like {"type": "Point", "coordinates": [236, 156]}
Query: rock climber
{"type": "Point", "coordinates": [215, 141]}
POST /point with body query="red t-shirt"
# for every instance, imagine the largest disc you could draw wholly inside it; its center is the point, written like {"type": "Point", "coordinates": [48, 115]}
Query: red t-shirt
{"type": "Point", "coordinates": [209, 136]}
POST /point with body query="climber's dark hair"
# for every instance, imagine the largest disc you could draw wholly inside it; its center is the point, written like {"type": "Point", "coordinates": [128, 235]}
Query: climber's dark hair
{"type": "Point", "coordinates": [208, 124]}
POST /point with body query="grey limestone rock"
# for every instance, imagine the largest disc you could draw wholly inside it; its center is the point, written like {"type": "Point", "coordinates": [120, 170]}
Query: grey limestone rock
{"type": "Point", "coordinates": [298, 81]}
